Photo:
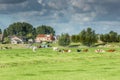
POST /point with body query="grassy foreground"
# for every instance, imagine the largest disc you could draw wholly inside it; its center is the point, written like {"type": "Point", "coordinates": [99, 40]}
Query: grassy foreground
{"type": "Point", "coordinates": [46, 64]}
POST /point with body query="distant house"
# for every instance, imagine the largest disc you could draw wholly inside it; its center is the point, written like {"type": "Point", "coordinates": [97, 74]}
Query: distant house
{"type": "Point", "coordinates": [44, 38]}
{"type": "Point", "coordinates": [16, 40]}
{"type": "Point", "coordinates": [30, 40]}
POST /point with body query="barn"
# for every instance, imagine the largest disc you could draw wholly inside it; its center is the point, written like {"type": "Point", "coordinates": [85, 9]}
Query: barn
{"type": "Point", "coordinates": [16, 40]}
{"type": "Point", "coordinates": [44, 38]}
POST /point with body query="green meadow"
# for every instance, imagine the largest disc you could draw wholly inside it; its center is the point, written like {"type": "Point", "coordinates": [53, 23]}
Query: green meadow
{"type": "Point", "coordinates": [46, 64]}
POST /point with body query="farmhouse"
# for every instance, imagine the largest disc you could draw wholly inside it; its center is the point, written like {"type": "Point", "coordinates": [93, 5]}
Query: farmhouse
{"type": "Point", "coordinates": [44, 38]}
{"type": "Point", "coordinates": [16, 40]}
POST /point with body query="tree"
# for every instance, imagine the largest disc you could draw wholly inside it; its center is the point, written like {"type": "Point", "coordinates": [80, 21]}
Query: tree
{"type": "Point", "coordinates": [20, 29]}
{"type": "Point", "coordinates": [75, 38]}
{"type": "Point", "coordinates": [118, 38]}
{"type": "Point", "coordinates": [88, 37]}
{"type": "Point", "coordinates": [6, 40]}
{"type": "Point", "coordinates": [5, 33]}
{"type": "Point", "coordinates": [0, 35]}
{"type": "Point", "coordinates": [5, 36]}
{"type": "Point", "coordinates": [45, 30]}
{"type": "Point", "coordinates": [110, 37]}
{"type": "Point", "coordinates": [0, 31]}
{"type": "Point", "coordinates": [64, 40]}
{"type": "Point", "coordinates": [34, 33]}
{"type": "Point", "coordinates": [102, 37]}
{"type": "Point", "coordinates": [105, 37]}
{"type": "Point", "coordinates": [113, 36]}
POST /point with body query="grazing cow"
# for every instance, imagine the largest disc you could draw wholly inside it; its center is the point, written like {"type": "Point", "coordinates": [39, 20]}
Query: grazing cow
{"type": "Point", "coordinates": [60, 50]}
{"type": "Point", "coordinates": [55, 48]}
{"type": "Point", "coordinates": [78, 50]}
{"type": "Point", "coordinates": [111, 50]}
{"type": "Point", "coordinates": [99, 51]}
{"type": "Point", "coordinates": [67, 50]}
{"type": "Point", "coordinates": [85, 50]}
{"type": "Point", "coordinates": [34, 48]}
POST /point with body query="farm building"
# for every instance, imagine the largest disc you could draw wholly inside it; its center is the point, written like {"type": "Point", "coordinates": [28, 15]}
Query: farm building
{"type": "Point", "coordinates": [16, 40]}
{"type": "Point", "coordinates": [44, 38]}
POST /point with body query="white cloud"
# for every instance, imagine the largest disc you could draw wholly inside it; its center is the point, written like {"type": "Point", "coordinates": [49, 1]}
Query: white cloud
{"type": "Point", "coordinates": [83, 17]}
{"type": "Point", "coordinates": [40, 1]}
{"type": "Point", "coordinates": [77, 3]}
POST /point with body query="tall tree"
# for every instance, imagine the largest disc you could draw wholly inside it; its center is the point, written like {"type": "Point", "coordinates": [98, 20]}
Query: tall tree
{"type": "Point", "coordinates": [5, 33]}
{"type": "Point", "coordinates": [20, 29]}
{"type": "Point", "coordinates": [64, 40]}
{"type": "Point", "coordinates": [110, 37]}
{"type": "Point", "coordinates": [5, 36]}
{"type": "Point", "coordinates": [118, 38]}
{"type": "Point", "coordinates": [0, 31]}
{"type": "Point", "coordinates": [45, 30]}
{"type": "Point", "coordinates": [88, 37]}
{"type": "Point", "coordinates": [75, 38]}
{"type": "Point", "coordinates": [113, 36]}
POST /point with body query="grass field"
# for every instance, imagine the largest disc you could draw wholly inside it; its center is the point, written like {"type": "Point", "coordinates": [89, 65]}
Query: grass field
{"type": "Point", "coordinates": [46, 64]}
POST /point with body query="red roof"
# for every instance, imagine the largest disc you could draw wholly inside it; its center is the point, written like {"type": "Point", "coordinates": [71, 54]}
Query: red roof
{"type": "Point", "coordinates": [45, 36]}
{"type": "Point", "coordinates": [41, 35]}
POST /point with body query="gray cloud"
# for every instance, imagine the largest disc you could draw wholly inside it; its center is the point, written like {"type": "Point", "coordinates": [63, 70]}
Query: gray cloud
{"type": "Point", "coordinates": [11, 1]}
{"type": "Point", "coordinates": [62, 12]}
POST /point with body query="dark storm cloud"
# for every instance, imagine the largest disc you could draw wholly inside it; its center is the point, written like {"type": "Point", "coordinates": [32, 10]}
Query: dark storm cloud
{"type": "Point", "coordinates": [98, 7]}
{"type": "Point", "coordinates": [107, 10]}
{"type": "Point", "coordinates": [26, 5]}
{"type": "Point", "coordinates": [11, 1]}
{"type": "Point", "coordinates": [64, 10]}
{"type": "Point", "coordinates": [63, 13]}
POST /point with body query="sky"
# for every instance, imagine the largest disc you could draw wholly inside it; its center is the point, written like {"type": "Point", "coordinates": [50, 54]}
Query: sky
{"type": "Point", "coordinates": [65, 16]}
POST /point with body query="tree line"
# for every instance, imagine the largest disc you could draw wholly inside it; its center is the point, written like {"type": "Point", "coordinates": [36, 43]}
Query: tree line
{"type": "Point", "coordinates": [87, 36]}
{"type": "Point", "coordinates": [110, 37]}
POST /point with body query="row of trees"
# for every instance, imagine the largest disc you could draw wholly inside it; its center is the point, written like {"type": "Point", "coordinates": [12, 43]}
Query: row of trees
{"type": "Point", "coordinates": [110, 37]}
{"type": "Point", "coordinates": [88, 37]}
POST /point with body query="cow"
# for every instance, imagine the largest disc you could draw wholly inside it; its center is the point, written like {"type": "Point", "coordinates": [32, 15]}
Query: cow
{"type": "Point", "coordinates": [111, 50]}
{"type": "Point", "coordinates": [55, 48]}
{"type": "Point", "coordinates": [34, 48]}
{"type": "Point", "coordinates": [78, 50]}
{"type": "Point", "coordinates": [99, 51]}
{"type": "Point", "coordinates": [69, 50]}
{"type": "Point", "coordinates": [65, 50]}
{"type": "Point", "coordinates": [85, 50]}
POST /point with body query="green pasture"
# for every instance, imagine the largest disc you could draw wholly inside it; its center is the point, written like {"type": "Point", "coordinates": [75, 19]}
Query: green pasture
{"type": "Point", "coordinates": [46, 64]}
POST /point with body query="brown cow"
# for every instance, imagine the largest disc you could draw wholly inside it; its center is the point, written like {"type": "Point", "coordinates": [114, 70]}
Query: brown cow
{"type": "Point", "coordinates": [111, 50]}
{"type": "Point", "coordinates": [67, 50]}
{"type": "Point", "coordinates": [85, 50]}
